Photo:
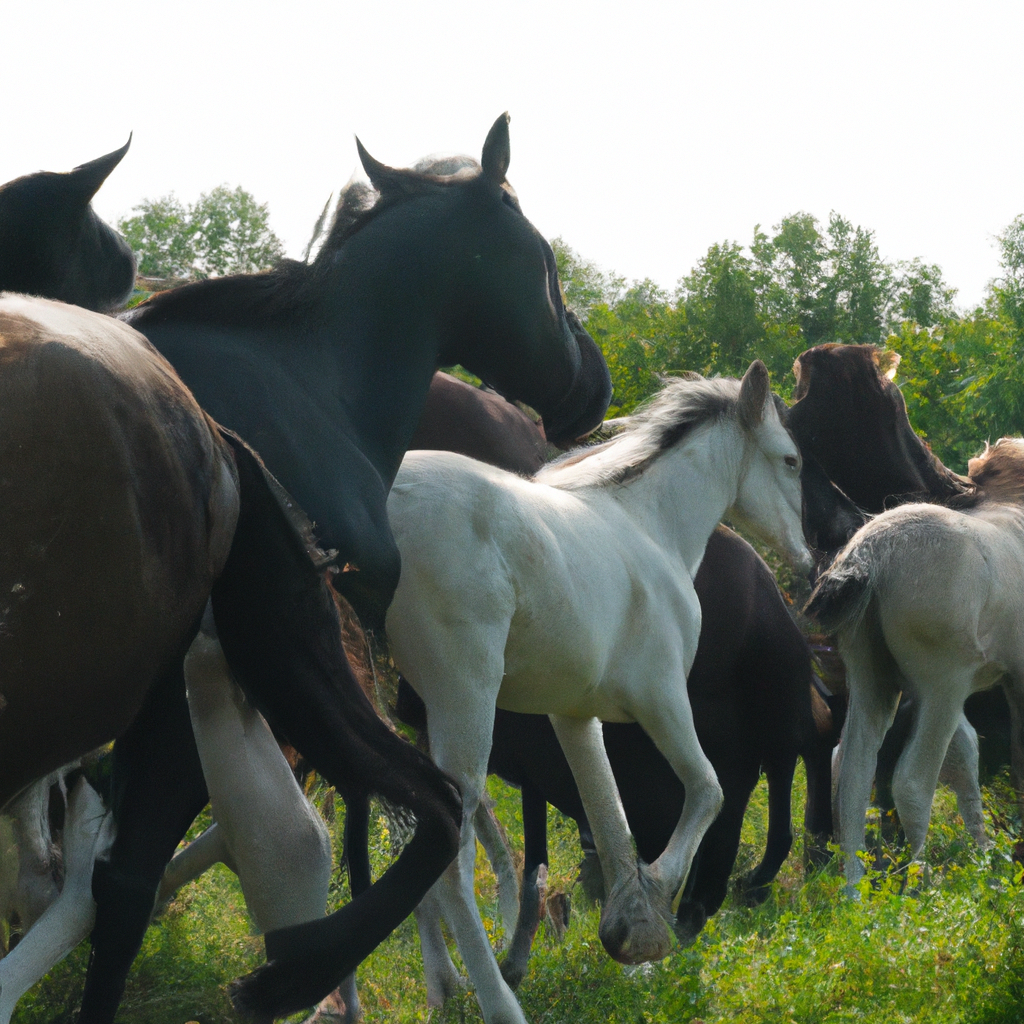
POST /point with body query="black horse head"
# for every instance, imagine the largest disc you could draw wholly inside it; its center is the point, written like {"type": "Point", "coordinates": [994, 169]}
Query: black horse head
{"type": "Point", "coordinates": [52, 243]}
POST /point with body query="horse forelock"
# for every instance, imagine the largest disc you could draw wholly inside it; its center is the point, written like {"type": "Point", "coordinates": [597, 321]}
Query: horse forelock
{"type": "Point", "coordinates": [360, 202]}
{"type": "Point", "coordinates": [666, 421]}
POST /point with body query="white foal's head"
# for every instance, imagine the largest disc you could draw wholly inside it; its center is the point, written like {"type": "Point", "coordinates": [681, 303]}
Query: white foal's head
{"type": "Point", "coordinates": [769, 501]}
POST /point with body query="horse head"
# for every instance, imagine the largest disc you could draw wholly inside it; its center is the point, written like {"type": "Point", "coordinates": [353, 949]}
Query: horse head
{"type": "Point", "coordinates": [852, 419]}
{"type": "Point", "coordinates": [769, 501]}
{"type": "Point", "coordinates": [52, 243]}
{"type": "Point", "coordinates": [499, 309]}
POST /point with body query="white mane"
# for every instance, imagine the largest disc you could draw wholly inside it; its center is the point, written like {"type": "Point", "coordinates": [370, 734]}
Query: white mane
{"type": "Point", "coordinates": [671, 416]}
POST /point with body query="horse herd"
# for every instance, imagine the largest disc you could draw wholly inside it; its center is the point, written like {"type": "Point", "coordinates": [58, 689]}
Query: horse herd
{"type": "Point", "coordinates": [163, 586]}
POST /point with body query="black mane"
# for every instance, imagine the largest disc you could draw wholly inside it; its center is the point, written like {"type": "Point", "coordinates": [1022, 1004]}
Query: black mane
{"type": "Point", "coordinates": [272, 297]}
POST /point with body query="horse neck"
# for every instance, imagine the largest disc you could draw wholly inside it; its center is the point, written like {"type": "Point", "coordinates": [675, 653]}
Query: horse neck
{"type": "Point", "coordinates": [681, 497]}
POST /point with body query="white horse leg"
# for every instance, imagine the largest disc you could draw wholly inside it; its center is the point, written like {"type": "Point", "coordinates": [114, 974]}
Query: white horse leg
{"type": "Point", "coordinates": [874, 683]}
{"type": "Point", "coordinates": [38, 859]}
{"type": "Point", "coordinates": [443, 981]}
{"type": "Point", "coordinates": [495, 843]}
{"type": "Point", "coordinates": [632, 929]}
{"type": "Point", "coordinates": [668, 719]}
{"type": "Point", "coordinates": [188, 864]}
{"type": "Point", "coordinates": [938, 714]}
{"type": "Point", "coordinates": [960, 772]}
{"type": "Point", "coordinates": [460, 742]}
{"type": "Point", "coordinates": [279, 844]}
{"type": "Point", "coordinates": [88, 835]}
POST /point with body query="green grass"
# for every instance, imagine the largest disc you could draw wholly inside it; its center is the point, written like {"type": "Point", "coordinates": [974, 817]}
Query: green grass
{"type": "Point", "coordinates": [950, 952]}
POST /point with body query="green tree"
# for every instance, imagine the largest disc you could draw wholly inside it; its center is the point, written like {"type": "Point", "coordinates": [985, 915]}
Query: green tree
{"type": "Point", "coordinates": [226, 231]}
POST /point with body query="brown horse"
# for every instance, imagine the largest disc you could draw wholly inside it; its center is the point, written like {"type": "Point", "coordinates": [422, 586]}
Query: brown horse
{"type": "Point", "coordinates": [123, 509]}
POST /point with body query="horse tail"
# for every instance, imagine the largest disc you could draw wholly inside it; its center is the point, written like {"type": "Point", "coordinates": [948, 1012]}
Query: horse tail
{"type": "Point", "coordinates": [842, 593]}
{"type": "Point", "coordinates": [279, 627]}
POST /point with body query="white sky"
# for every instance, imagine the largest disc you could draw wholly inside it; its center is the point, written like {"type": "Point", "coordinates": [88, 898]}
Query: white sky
{"type": "Point", "coordinates": [642, 132]}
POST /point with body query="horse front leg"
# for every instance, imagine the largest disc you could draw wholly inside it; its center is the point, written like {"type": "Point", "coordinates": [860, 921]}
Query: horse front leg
{"type": "Point", "coordinates": [633, 925]}
{"type": "Point", "coordinates": [667, 718]}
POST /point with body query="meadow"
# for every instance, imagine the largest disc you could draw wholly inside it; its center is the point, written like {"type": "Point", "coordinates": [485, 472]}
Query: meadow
{"type": "Point", "coordinates": [947, 952]}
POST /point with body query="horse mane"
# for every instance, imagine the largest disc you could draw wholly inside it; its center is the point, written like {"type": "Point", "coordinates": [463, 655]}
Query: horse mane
{"type": "Point", "coordinates": [669, 418]}
{"type": "Point", "coordinates": [998, 472]}
{"type": "Point", "coordinates": [272, 297]}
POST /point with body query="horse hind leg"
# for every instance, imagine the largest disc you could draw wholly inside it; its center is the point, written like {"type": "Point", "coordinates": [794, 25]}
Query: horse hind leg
{"type": "Point", "coordinates": [917, 771]}
{"type": "Point", "coordinates": [634, 916]}
{"type": "Point", "coordinates": [88, 832]}
{"type": "Point", "coordinates": [960, 772]}
{"type": "Point", "coordinates": [875, 683]}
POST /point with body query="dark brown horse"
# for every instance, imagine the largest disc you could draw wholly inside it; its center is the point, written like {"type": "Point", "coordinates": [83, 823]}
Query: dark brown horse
{"type": "Point", "coordinates": [123, 509]}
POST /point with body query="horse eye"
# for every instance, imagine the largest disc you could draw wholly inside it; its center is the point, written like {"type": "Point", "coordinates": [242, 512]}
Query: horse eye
{"type": "Point", "coordinates": [792, 461]}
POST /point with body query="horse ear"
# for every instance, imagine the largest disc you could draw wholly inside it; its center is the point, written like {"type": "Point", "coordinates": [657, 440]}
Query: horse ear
{"type": "Point", "coordinates": [386, 180]}
{"type": "Point", "coordinates": [754, 394]}
{"type": "Point", "coordinates": [87, 178]}
{"type": "Point", "coordinates": [886, 360]}
{"type": "Point", "coordinates": [497, 153]}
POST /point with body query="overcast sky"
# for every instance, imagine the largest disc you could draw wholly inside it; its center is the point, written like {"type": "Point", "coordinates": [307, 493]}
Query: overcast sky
{"type": "Point", "coordinates": [642, 132]}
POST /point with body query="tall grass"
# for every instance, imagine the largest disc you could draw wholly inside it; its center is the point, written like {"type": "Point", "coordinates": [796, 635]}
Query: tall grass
{"type": "Point", "coordinates": [950, 951]}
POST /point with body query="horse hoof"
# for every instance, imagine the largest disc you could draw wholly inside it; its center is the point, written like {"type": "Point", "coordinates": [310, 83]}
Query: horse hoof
{"type": "Point", "coordinates": [513, 970]}
{"type": "Point", "coordinates": [689, 922]}
{"type": "Point", "coordinates": [752, 894]}
{"type": "Point", "coordinates": [635, 942]}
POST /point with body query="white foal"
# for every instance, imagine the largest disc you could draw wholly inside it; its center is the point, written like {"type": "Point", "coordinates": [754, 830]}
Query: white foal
{"type": "Point", "coordinates": [572, 595]}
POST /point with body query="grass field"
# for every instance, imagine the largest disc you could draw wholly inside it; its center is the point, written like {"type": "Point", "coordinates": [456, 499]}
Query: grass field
{"type": "Point", "coordinates": [951, 952]}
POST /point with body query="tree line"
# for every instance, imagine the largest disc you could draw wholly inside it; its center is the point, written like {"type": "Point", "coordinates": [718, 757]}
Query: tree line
{"type": "Point", "coordinates": [800, 284]}
{"type": "Point", "coordinates": [803, 284]}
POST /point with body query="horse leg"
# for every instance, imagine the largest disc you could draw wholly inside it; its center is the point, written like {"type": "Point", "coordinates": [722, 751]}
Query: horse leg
{"type": "Point", "coordinates": [460, 740]}
{"type": "Point", "coordinates": [780, 829]}
{"type": "Point", "coordinates": [278, 842]}
{"type": "Point", "coordinates": [188, 864]}
{"type": "Point", "coordinates": [442, 979]}
{"type": "Point", "coordinates": [960, 772]}
{"type": "Point", "coordinates": [88, 832]}
{"type": "Point", "coordinates": [667, 718]}
{"type": "Point", "coordinates": [535, 857]}
{"type": "Point", "coordinates": [495, 843]}
{"type": "Point", "coordinates": [708, 881]}
{"type": "Point", "coordinates": [917, 771]}
{"type": "Point", "coordinates": [158, 789]}
{"type": "Point", "coordinates": [633, 918]}
{"type": "Point", "coordinates": [875, 684]}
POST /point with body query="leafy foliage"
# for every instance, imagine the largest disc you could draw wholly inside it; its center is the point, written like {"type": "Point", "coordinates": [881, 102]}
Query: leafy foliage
{"type": "Point", "coordinates": [803, 284]}
{"type": "Point", "coordinates": [226, 231]}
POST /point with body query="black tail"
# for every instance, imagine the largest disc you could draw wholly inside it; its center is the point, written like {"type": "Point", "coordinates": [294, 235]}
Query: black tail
{"type": "Point", "coordinates": [279, 628]}
{"type": "Point", "coordinates": [841, 594]}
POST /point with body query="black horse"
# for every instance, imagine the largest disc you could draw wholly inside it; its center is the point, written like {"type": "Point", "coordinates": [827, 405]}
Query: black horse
{"type": "Point", "coordinates": [53, 245]}
{"type": "Point", "coordinates": [324, 368]}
